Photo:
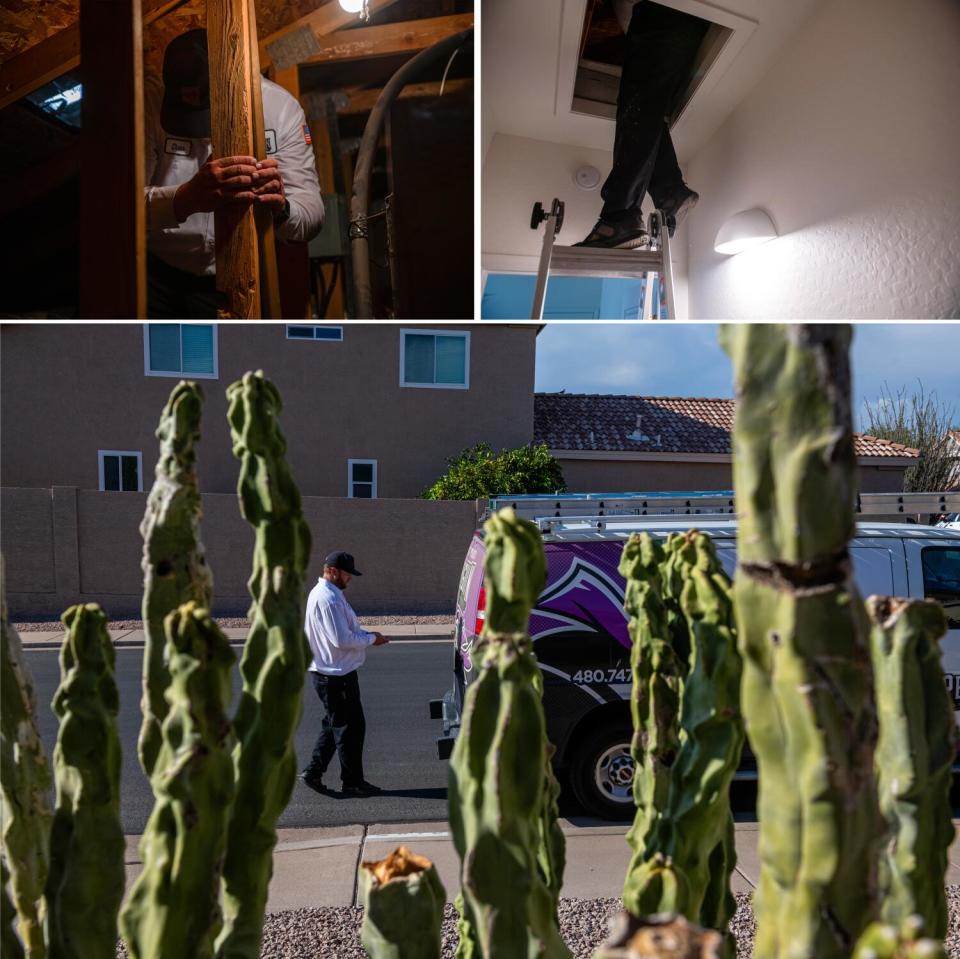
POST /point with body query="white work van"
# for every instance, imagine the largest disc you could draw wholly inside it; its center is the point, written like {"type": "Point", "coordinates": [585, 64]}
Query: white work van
{"type": "Point", "coordinates": [579, 627]}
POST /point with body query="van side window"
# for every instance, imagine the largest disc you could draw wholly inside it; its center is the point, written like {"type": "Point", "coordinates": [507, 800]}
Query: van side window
{"type": "Point", "coordinates": [941, 580]}
{"type": "Point", "coordinates": [872, 570]}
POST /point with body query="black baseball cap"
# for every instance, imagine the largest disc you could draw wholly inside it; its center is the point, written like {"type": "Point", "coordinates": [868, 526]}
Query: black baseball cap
{"type": "Point", "coordinates": [341, 560]}
{"type": "Point", "coordinates": [185, 111]}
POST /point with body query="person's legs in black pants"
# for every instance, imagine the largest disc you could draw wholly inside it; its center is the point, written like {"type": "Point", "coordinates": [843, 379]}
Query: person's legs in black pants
{"type": "Point", "coordinates": [662, 44]}
{"type": "Point", "coordinates": [173, 294]}
{"type": "Point", "coordinates": [342, 730]}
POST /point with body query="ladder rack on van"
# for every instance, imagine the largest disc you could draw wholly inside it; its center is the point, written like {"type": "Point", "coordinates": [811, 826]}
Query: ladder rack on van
{"type": "Point", "coordinates": [583, 507]}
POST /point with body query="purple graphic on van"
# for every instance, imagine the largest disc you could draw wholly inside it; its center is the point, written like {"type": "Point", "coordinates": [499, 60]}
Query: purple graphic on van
{"type": "Point", "coordinates": [584, 593]}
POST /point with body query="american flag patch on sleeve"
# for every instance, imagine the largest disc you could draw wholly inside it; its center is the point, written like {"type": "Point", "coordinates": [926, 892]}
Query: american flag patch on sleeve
{"type": "Point", "coordinates": [306, 135]}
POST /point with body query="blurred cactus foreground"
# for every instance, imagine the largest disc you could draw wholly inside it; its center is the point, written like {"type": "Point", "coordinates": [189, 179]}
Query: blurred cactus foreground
{"type": "Point", "coordinates": [852, 829]}
{"type": "Point", "coordinates": [403, 901]}
{"type": "Point", "coordinates": [502, 793]}
{"type": "Point", "coordinates": [219, 784]}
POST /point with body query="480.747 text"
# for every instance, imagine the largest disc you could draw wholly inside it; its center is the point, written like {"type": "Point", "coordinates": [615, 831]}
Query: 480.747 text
{"type": "Point", "coordinates": [592, 676]}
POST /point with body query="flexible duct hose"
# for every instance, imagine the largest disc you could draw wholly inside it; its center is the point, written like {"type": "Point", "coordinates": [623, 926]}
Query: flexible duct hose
{"type": "Point", "coordinates": [360, 200]}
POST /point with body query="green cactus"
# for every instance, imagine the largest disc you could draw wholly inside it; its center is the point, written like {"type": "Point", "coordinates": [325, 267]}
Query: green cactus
{"type": "Point", "coordinates": [468, 947]}
{"type": "Point", "coordinates": [174, 569]}
{"type": "Point", "coordinates": [655, 706]}
{"type": "Point", "coordinates": [692, 836]}
{"type": "Point", "coordinates": [173, 907]}
{"type": "Point", "coordinates": [10, 945]}
{"type": "Point", "coordinates": [86, 878]}
{"type": "Point", "coordinates": [26, 783]}
{"type": "Point", "coordinates": [516, 571]}
{"type": "Point", "coordinates": [807, 691]}
{"type": "Point", "coordinates": [499, 816]}
{"type": "Point", "coordinates": [274, 660]}
{"type": "Point", "coordinates": [664, 936]}
{"type": "Point", "coordinates": [915, 752]}
{"type": "Point", "coordinates": [903, 941]}
{"type": "Point", "coordinates": [403, 901]}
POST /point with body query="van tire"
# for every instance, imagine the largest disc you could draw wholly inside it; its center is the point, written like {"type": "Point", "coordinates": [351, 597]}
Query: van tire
{"type": "Point", "coordinates": [600, 754]}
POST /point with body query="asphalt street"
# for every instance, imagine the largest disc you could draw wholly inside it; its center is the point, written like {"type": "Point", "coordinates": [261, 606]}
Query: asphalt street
{"type": "Point", "coordinates": [396, 683]}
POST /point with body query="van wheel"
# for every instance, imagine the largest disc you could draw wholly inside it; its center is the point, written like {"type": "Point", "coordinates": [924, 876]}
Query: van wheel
{"type": "Point", "coordinates": [601, 773]}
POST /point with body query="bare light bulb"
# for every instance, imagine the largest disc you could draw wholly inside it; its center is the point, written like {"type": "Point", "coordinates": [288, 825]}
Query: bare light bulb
{"type": "Point", "coordinates": [352, 6]}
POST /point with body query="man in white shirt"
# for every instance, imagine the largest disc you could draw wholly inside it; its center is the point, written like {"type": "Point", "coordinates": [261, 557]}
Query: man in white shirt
{"type": "Point", "coordinates": [339, 647]}
{"type": "Point", "coordinates": [185, 184]}
{"type": "Point", "coordinates": [661, 48]}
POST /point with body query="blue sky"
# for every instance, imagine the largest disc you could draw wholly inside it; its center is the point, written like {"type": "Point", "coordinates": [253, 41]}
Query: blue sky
{"type": "Point", "coordinates": [685, 359]}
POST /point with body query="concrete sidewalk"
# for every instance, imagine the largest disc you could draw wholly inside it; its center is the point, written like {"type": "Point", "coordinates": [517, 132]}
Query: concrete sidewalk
{"type": "Point", "coordinates": [318, 867]}
{"type": "Point", "coordinates": [53, 638]}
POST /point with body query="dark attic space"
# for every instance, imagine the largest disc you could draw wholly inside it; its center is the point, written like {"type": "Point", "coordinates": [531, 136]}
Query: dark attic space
{"type": "Point", "coordinates": [160, 179]}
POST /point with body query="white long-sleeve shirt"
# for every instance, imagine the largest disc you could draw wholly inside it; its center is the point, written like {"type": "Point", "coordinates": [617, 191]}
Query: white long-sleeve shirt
{"type": "Point", "coordinates": [337, 641]}
{"type": "Point", "coordinates": [171, 161]}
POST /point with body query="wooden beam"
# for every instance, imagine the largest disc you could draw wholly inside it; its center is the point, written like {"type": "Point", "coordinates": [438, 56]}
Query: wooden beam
{"type": "Point", "coordinates": [58, 53]}
{"type": "Point", "coordinates": [113, 280]}
{"type": "Point", "coordinates": [237, 243]}
{"type": "Point", "coordinates": [362, 101]}
{"type": "Point", "coordinates": [298, 40]}
{"type": "Point", "coordinates": [263, 218]}
{"type": "Point", "coordinates": [408, 37]}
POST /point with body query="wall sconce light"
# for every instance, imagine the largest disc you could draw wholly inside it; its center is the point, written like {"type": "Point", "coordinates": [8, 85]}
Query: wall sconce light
{"type": "Point", "coordinates": [744, 230]}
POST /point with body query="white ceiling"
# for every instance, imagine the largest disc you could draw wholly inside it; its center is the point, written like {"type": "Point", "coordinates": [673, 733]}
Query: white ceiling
{"type": "Point", "coordinates": [529, 57]}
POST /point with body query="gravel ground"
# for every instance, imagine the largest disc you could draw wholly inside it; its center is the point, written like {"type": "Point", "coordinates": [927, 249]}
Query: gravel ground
{"type": "Point", "coordinates": [335, 933]}
{"type": "Point", "coordinates": [241, 622]}
{"type": "Point", "coordinates": [313, 933]}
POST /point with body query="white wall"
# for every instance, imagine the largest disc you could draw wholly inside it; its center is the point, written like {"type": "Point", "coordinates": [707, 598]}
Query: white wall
{"type": "Point", "coordinates": [516, 173]}
{"type": "Point", "coordinates": [852, 143]}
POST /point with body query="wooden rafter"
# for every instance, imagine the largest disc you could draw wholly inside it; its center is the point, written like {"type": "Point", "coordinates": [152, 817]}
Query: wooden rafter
{"type": "Point", "coordinates": [232, 47]}
{"type": "Point", "coordinates": [362, 101]}
{"type": "Point", "coordinates": [391, 38]}
{"type": "Point", "coordinates": [60, 52]}
{"type": "Point", "coordinates": [113, 279]}
{"type": "Point", "coordinates": [319, 23]}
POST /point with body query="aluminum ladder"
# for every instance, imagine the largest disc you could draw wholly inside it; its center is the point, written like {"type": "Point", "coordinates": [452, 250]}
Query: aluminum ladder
{"type": "Point", "coordinates": [579, 508]}
{"type": "Point", "coordinates": [596, 261]}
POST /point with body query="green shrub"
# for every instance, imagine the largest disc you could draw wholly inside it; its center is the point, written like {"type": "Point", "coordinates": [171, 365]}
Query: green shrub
{"type": "Point", "coordinates": [478, 472]}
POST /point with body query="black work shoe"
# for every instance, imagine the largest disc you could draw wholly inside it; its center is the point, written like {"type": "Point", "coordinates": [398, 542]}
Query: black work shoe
{"type": "Point", "coordinates": [628, 235]}
{"type": "Point", "coordinates": [678, 207]}
{"type": "Point", "coordinates": [315, 783]}
{"type": "Point", "coordinates": [361, 790]}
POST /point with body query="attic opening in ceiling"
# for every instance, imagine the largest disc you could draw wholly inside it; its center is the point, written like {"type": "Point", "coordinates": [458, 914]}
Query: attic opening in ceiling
{"type": "Point", "coordinates": [600, 61]}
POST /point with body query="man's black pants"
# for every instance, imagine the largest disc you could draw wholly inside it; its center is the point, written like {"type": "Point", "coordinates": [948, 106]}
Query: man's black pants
{"type": "Point", "coordinates": [662, 45]}
{"type": "Point", "coordinates": [173, 294]}
{"type": "Point", "coordinates": [343, 728]}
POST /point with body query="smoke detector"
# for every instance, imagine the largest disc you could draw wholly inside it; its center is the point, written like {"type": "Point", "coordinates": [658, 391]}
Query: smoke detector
{"type": "Point", "coordinates": [587, 178]}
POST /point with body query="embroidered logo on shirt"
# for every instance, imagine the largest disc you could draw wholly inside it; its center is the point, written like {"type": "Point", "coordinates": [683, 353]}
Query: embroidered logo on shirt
{"type": "Point", "coordinates": [306, 135]}
{"type": "Point", "coordinates": [271, 138]}
{"type": "Point", "coordinates": [179, 148]}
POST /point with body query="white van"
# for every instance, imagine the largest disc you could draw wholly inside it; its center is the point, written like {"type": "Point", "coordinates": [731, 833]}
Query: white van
{"type": "Point", "coordinates": [579, 628]}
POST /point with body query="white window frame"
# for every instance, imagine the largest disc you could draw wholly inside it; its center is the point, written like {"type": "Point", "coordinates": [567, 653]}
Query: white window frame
{"type": "Point", "coordinates": [351, 481]}
{"type": "Point", "coordinates": [215, 375]}
{"type": "Point", "coordinates": [102, 453]}
{"type": "Point", "coordinates": [464, 334]}
{"type": "Point", "coordinates": [315, 326]}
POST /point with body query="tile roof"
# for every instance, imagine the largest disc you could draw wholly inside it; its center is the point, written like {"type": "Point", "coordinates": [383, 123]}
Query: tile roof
{"type": "Point", "coordinates": [581, 421]}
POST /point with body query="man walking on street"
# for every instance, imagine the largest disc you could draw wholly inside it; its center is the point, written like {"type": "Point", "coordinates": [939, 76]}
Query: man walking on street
{"type": "Point", "coordinates": [339, 647]}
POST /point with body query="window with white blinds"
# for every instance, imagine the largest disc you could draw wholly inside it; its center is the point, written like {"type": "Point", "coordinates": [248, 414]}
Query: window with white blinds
{"type": "Point", "coordinates": [180, 349]}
